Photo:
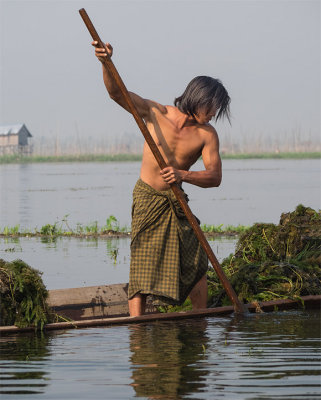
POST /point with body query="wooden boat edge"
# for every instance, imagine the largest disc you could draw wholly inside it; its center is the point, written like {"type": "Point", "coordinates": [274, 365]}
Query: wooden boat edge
{"type": "Point", "coordinates": [308, 302]}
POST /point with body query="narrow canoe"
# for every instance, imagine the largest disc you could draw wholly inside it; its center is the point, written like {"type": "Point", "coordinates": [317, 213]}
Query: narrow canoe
{"type": "Point", "coordinates": [107, 305]}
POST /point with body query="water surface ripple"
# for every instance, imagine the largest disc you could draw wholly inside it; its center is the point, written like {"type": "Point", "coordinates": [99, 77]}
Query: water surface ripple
{"type": "Point", "coordinates": [263, 356]}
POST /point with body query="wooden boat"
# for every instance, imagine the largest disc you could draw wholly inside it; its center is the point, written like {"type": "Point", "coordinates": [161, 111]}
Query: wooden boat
{"type": "Point", "coordinates": [107, 305]}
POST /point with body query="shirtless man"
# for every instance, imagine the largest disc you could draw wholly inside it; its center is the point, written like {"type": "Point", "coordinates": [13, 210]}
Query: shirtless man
{"type": "Point", "coordinates": [182, 134]}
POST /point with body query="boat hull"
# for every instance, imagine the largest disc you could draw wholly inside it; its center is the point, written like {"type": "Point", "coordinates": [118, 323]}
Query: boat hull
{"type": "Point", "coordinates": [107, 305]}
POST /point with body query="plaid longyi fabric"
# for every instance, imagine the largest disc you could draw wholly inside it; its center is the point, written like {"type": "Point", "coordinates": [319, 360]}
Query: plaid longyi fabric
{"type": "Point", "coordinates": [167, 259]}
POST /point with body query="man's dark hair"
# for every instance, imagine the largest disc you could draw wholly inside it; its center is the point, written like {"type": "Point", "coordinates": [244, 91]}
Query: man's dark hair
{"type": "Point", "coordinates": [204, 92]}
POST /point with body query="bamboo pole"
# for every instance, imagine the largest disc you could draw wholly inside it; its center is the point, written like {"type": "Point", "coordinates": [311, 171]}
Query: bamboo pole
{"type": "Point", "coordinates": [238, 306]}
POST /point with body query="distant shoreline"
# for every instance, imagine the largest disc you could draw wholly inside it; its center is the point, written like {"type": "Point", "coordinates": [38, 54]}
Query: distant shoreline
{"type": "Point", "coordinates": [20, 159]}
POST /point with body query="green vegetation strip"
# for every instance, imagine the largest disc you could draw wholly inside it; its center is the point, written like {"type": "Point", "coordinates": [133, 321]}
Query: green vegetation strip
{"type": "Point", "coordinates": [16, 158]}
{"type": "Point", "coordinates": [112, 227]}
{"type": "Point", "coordinates": [290, 155]}
{"type": "Point", "coordinates": [223, 229]}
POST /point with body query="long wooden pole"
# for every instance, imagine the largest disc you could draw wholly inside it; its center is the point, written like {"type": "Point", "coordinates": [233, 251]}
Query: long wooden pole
{"type": "Point", "coordinates": [238, 306]}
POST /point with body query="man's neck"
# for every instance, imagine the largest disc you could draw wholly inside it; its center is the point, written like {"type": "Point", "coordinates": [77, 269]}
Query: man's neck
{"type": "Point", "coordinates": [185, 120]}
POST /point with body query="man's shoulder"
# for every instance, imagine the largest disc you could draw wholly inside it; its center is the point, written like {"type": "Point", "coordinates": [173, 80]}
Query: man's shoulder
{"type": "Point", "coordinates": [208, 129]}
{"type": "Point", "coordinates": [171, 109]}
{"type": "Point", "coordinates": [155, 106]}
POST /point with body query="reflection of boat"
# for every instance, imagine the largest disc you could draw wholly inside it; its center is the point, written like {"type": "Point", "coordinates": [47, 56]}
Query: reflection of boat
{"type": "Point", "coordinates": [107, 305]}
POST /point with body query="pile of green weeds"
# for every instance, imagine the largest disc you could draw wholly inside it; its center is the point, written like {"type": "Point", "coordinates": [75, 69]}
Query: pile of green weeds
{"type": "Point", "coordinates": [274, 261]}
{"type": "Point", "coordinates": [23, 296]}
{"type": "Point", "coordinates": [271, 262]}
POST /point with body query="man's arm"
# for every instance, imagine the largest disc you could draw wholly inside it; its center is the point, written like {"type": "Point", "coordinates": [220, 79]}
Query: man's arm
{"type": "Point", "coordinates": [143, 106]}
{"type": "Point", "coordinates": [211, 176]}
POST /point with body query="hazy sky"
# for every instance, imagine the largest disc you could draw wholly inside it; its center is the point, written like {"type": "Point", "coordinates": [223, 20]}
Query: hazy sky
{"type": "Point", "coordinates": [267, 54]}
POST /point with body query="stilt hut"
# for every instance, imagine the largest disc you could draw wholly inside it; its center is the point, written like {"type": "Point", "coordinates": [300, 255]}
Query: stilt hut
{"type": "Point", "coordinates": [14, 139]}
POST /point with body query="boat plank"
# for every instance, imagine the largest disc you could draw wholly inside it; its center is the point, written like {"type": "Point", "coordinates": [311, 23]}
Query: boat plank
{"type": "Point", "coordinates": [268, 306]}
{"type": "Point", "coordinates": [91, 302]}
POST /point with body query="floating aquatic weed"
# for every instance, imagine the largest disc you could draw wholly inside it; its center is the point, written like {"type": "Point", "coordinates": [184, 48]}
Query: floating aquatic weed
{"type": "Point", "coordinates": [92, 228]}
{"type": "Point", "coordinates": [23, 296]}
{"type": "Point", "coordinates": [112, 223]}
{"type": "Point", "coordinates": [51, 230]}
{"type": "Point", "coordinates": [9, 231]}
{"type": "Point", "coordinates": [274, 261]}
{"type": "Point", "coordinates": [221, 229]}
{"type": "Point", "coordinates": [54, 230]}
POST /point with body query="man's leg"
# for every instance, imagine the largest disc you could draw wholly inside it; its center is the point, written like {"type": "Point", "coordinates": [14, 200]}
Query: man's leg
{"type": "Point", "coordinates": [137, 305]}
{"type": "Point", "coordinates": [198, 294]}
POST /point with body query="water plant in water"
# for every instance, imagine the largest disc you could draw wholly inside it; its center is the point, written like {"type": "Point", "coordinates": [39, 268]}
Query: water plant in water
{"type": "Point", "coordinates": [112, 223]}
{"type": "Point", "coordinates": [274, 261]}
{"type": "Point", "coordinates": [112, 226]}
{"type": "Point", "coordinates": [23, 296]}
{"type": "Point", "coordinates": [59, 229]}
{"type": "Point", "coordinates": [49, 230]}
{"type": "Point", "coordinates": [92, 228]}
{"type": "Point", "coordinates": [221, 229]}
{"type": "Point", "coordinates": [7, 231]}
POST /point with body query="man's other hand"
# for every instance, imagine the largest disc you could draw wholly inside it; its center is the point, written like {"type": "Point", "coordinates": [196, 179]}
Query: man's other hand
{"type": "Point", "coordinates": [100, 52]}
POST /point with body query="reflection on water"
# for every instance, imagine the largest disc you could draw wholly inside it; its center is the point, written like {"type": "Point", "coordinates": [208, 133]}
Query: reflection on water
{"type": "Point", "coordinates": [165, 356]}
{"type": "Point", "coordinates": [71, 262]}
{"type": "Point", "coordinates": [263, 356]}
{"type": "Point", "coordinates": [275, 355]}
{"type": "Point", "coordinates": [22, 367]}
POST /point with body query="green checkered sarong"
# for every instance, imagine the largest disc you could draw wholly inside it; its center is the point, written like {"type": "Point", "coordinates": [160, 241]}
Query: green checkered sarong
{"type": "Point", "coordinates": [167, 259]}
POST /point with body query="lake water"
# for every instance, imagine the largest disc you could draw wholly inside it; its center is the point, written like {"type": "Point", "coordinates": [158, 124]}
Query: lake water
{"type": "Point", "coordinates": [33, 195]}
{"type": "Point", "coordinates": [263, 356]}
{"type": "Point", "coordinates": [70, 262]}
